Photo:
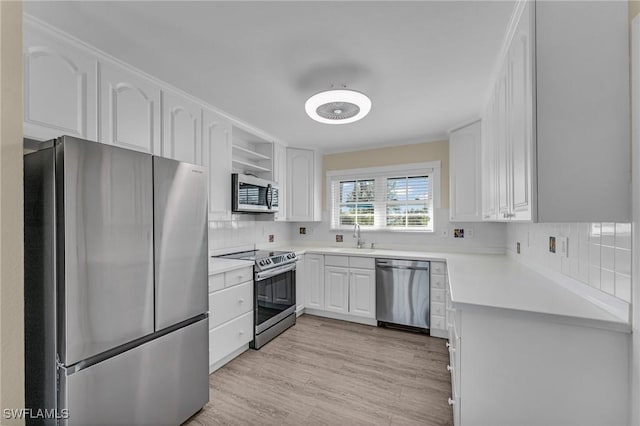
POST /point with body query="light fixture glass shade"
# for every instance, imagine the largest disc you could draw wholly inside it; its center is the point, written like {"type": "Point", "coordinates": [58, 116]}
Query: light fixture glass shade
{"type": "Point", "coordinates": [338, 106]}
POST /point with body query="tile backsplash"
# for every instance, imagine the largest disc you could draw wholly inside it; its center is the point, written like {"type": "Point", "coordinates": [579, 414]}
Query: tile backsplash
{"type": "Point", "coordinates": [245, 231]}
{"type": "Point", "coordinates": [599, 254]}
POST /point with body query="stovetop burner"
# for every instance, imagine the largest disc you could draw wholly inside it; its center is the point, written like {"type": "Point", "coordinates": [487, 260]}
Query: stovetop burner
{"type": "Point", "coordinates": [264, 259]}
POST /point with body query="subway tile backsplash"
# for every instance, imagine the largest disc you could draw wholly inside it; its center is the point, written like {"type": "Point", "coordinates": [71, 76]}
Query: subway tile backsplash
{"type": "Point", "coordinates": [599, 254]}
{"type": "Point", "coordinates": [245, 231]}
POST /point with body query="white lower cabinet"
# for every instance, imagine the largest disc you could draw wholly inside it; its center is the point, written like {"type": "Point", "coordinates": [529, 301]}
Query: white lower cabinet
{"type": "Point", "coordinates": [349, 287]}
{"type": "Point", "coordinates": [314, 298]}
{"type": "Point", "coordinates": [230, 315]}
{"type": "Point", "coordinates": [510, 368]}
{"type": "Point", "coordinates": [438, 282]}
{"type": "Point", "coordinates": [301, 284]}
{"type": "Point", "coordinates": [336, 289]}
{"type": "Point", "coordinates": [362, 292]}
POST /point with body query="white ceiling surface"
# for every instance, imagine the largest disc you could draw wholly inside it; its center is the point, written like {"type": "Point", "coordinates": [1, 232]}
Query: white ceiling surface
{"type": "Point", "coordinates": [425, 65]}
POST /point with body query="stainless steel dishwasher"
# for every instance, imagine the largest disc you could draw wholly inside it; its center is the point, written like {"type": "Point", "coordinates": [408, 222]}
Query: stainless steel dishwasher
{"type": "Point", "coordinates": [402, 292]}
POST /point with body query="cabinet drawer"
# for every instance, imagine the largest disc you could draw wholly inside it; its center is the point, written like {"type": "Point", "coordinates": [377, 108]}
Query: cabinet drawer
{"type": "Point", "coordinates": [230, 336]}
{"type": "Point", "coordinates": [229, 303]}
{"type": "Point", "coordinates": [437, 308]}
{"type": "Point", "coordinates": [336, 261]}
{"type": "Point", "coordinates": [216, 282]}
{"type": "Point", "coordinates": [438, 268]}
{"type": "Point", "coordinates": [437, 281]}
{"type": "Point", "coordinates": [437, 322]}
{"type": "Point", "coordinates": [362, 262]}
{"type": "Point", "coordinates": [437, 295]}
{"type": "Point", "coordinates": [238, 276]}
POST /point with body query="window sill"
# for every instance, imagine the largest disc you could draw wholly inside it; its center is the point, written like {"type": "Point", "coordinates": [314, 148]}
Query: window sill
{"type": "Point", "coordinates": [399, 231]}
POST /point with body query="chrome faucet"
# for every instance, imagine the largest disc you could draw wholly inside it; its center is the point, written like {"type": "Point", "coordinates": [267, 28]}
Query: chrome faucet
{"type": "Point", "coordinates": [356, 235]}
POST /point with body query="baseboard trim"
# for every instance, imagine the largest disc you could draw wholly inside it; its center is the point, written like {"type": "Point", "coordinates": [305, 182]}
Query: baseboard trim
{"type": "Point", "coordinates": [342, 317]}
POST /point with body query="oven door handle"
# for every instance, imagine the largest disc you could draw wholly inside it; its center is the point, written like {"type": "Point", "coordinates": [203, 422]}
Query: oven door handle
{"type": "Point", "coordinates": [275, 271]}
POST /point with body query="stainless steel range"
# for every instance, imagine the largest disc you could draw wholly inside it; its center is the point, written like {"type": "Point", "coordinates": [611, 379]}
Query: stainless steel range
{"type": "Point", "coordinates": [274, 292]}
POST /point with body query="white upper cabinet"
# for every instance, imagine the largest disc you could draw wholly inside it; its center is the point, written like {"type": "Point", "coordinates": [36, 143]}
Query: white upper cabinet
{"type": "Point", "coordinates": [130, 110]}
{"type": "Point", "coordinates": [556, 139]}
{"type": "Point", "coordinates": [60, 94]}
{"type": "Point", "coordinates": [304, 169]}
{"type": "Point", "coordinates": [216, 156]}
{"type": "Point", "coordinates": [582, 104]}
{"type": "Point", "coordinates": [464, 174]}
{"type": "Point", "coordinates": [181, 128]}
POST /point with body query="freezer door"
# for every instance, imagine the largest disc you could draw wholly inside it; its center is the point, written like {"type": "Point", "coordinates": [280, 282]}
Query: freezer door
{"type": "Point", "coordinates": [105, 205]}
{"type": "Point", "coordinates": [162, 382]}
{"type": "Point", "coordinates": [180, 210]}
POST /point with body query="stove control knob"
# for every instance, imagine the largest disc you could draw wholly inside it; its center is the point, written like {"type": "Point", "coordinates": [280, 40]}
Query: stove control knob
{"type": "Point", "coordinates": [267, 261]}
{"type": "Point", "coordinates": [261, 263]}
{"type": "Point", "coordinates": [291, 256]}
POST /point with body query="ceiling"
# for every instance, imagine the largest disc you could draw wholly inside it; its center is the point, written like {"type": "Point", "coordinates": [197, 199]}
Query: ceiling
{"type": "Point", "coordinates": [425, 65]}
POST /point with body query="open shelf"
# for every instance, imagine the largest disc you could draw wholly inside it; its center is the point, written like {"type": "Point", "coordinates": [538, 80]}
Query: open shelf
{"type": "Point", "coordinates": [250, 166]}
{"type": "Point", "coordinates": [250, 153]}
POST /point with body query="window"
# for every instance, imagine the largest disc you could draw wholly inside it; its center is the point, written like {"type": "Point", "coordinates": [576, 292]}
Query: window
{"type": "Point", "coordinates": [384, 198]}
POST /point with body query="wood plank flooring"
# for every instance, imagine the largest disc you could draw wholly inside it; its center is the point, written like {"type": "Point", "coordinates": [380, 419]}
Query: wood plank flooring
{"type": "Point", "coordinates": [329, 372]}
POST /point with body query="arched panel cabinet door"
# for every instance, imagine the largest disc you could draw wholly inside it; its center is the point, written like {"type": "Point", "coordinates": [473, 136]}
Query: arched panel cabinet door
{"type": "Point", "coordinates": [129, 109]}
{"type": "Point", "coordinates": [59, 87]}
{"type": "Point", "coordinates": [181, 128]}
{"type": "Point", "coordinates": [216, 157]}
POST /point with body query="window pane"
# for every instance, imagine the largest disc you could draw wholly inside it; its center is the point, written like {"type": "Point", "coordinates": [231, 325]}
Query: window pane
{"type": "Point", "coordinates": [347, 191]}
{"type": "Point", "coordinates": [365, 209]}
{"type": "Point", "coordinates": [365, 220]}
{"type": "Point", "coordinates": [347, 220]}
{"type": "Point", "coordinates": [417, 188]}
{"type": "Point", "coordinates": [396, 220]}
{"type": "Point", "coordinates": [415, 221]}
{"type": "Point", "coordinates": [396, 189]}
{"type": "Point", "coordinates": [366, 190]}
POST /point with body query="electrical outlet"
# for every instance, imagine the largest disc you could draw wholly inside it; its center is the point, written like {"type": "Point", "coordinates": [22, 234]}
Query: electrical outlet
{"type": "Point", "coordinates": [518, 247]}
{"type": "Point", "coordinates": [552, 244]}
{"type": "Point", "coordinates": [563, 246]}
{"type": "Point", "coordinates": [470, 233]}
{"type": "Point", "coordinates": [444, 233]}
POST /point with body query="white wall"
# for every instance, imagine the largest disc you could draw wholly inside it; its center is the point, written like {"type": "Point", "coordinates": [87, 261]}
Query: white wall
{"type": "Point", "coordinates": [599, 253]}
{"type": "Point", "coordinates": [484, 236]}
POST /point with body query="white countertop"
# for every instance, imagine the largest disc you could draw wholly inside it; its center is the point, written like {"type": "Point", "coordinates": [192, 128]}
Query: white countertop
{"type": "Point", "coordinates": [499, 282]}
{"type": "Point", "coordinates": [218, 265]}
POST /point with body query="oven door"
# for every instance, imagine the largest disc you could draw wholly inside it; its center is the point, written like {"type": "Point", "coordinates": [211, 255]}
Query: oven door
{"type": "Point", "coordinates": [275, 296]}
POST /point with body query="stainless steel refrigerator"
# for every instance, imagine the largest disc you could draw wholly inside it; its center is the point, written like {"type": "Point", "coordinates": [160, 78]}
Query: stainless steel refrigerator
{"type": "Point", "coordinates": [115, 286]}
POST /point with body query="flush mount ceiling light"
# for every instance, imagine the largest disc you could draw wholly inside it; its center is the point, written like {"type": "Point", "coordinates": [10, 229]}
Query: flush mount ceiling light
{"type": "Point", "coordinates": [338, 106]}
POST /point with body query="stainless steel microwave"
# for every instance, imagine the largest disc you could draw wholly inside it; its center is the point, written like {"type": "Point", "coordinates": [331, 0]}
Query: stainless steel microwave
{"type": "Point", "coordinates": [253, 195]}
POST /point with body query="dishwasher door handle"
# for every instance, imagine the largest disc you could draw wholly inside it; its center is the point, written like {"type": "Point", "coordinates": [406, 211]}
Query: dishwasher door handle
{"type": "Point", "coordinates": [412, 268]}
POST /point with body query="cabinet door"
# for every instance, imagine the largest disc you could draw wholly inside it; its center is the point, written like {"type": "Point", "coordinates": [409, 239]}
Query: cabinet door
{"type": "Point", "coordinates": [464, 166]}
{"type": "Point", "coordinates": [280, 176]}
{"type": "Point", "coordinates": [520, 113]}
{"type": "Point", "coordinates": [300, 173]}
{"type": "Point", "coordinates": [502, 146]}
{"type": "Point", "coordinates": [362, 292]}
{"type": "Point", "coordinates": [60, 94]}
{"type": "Point", "coordinates": [301, 283]}
{"type": "Point", "coordinates": [489, 164]}
{"type": "Point", "coordinates": [216, 156]}
{"type": "Point", "coordinates": [130, 110]}
{"type": "Point", "coordinates": [314, 263]}
{"type": "Point", "coordinates": [336, 289]}
{"type": "Point", "coordinates": [181, 128]}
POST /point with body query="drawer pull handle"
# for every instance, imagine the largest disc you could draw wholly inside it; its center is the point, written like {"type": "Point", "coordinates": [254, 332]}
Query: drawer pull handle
{"type": "Point", "coordinates": [449, 368]}
{"type": "Point", "coordinates": [241, 300]}
{"type": "Point", "coordinates": [448, 344]}
{"type": "Point", "coordinates": [450, 401]}
{"type": "Point", "coordinates": [241, 332]}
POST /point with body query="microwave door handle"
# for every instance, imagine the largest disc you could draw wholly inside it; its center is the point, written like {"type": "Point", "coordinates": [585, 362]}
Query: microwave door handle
{"type": "Point", "coordinates": [269, 196]}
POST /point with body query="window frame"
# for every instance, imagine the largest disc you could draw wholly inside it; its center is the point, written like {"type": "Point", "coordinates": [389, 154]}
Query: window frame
{"type": "Point", "coordinates": [431, 168]}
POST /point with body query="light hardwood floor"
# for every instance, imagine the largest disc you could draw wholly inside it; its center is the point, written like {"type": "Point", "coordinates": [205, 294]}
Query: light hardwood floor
{"type": "Point", "coordinates": [329, 372]}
